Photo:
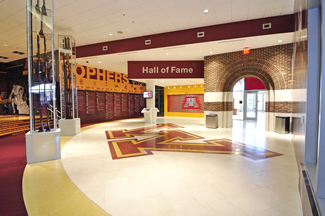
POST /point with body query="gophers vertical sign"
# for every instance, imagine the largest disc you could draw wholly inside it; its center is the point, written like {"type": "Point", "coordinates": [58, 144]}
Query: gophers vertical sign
{"type": "Point", "coordinates": [94, 79]}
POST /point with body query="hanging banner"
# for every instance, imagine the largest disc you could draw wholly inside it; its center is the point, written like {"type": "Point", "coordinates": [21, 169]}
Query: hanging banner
{"type": "Point", "coordinates": [94, 79]}
{"type": "Point", "coordinates": [165, 69]}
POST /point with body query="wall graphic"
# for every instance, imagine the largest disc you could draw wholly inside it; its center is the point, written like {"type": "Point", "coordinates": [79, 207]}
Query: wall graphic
{"type": "Point", "coordinates": [94, 79]}
{"type": "Point", "coordinates": [186, 103]}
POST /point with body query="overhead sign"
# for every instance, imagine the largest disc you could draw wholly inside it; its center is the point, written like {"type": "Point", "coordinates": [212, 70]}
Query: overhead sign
{"type": "Point", "coordinates": [165, 69]}
{"type": "Point", "coordinates": [94, 79]}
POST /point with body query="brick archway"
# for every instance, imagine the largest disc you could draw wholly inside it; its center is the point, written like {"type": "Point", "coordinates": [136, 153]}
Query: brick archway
{"type": "Point", "coordinates": [263, 70]}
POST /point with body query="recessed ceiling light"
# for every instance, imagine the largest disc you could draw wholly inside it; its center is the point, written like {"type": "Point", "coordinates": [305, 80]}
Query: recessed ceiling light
{"type": "Point", "coordinates": [162, 80]}
{"type": "Point", "coordinates": [167, 53]}
{"type": "Point", "coordinates": [110, 34]}
{"type": "Point", "coordinates": [99, 62]}
{"type": "Point", "coordinates": [210, 52]}
{"type": "Point", "coordinates": [279, 41]}
{"type": "Point", "coordinates": [206, 11]}
{"type": "Point", "coordinates": [119, 32]}
{"type": "Point", "coordinates": [174, 83]}
{"type": "Point", "coordinates": [180, 87]}
{"type": "Point", "coordinates": [5, 44]}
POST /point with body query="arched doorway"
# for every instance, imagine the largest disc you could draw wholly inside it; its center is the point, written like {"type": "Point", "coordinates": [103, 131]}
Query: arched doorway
{"type": "Point", "coordinates": [249, 99]}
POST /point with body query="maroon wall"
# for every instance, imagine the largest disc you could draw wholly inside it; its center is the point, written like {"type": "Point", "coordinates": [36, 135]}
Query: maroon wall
{"type": "Point", "coordinates": [252, 83]}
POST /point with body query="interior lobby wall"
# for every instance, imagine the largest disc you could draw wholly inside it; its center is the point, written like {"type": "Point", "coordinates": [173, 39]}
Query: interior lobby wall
{"type": "Point", "coordinates": [272, 65]}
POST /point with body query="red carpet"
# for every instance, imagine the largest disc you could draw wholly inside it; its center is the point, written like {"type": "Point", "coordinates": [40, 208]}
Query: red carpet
{"type": "Point", "coordinates": [12, 165]}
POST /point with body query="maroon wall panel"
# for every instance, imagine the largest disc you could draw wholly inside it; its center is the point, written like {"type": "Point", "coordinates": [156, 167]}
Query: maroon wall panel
{"type": "Point", "coordinates": [165, 69]}
{"type": "Point", "coordinates": [280, 24]}
{"type": "Point", "coordinates": [252, 83]}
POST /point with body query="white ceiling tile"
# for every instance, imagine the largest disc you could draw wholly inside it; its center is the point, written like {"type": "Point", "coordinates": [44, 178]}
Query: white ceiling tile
{"type": "Point", "coordinates": [67, 9]}
{"type": "Point", "coordinates": [287, 10]}
{"type": "Point", "coordinates": [257, 8]}
{"type": "Point", "coordinates": [181, 25]}
{"type": "Point", "coordinates": [240, 12]}
{"type": "Point", "coordinates": [126, 3]}
{"type": "Point", "coordinates": [169, 28]}
{"type": "Point", "coordinates": [158, 29]}
{"type": "Point", "coordinates": [89, 4]}
{"type": "Point", "coordinates": [166, 3]}
{"type": "Point", "coordinates": [222, 7]}
{"type": "Point", "coordinates": [141, 19]}
{"type": "Point", "coordinates": [151, 24]}
{"type": "Point", "coordinates": [239, 18]}
{"type": "Point", "coordinates": [274, 12]}
{"type": "Point", "coordinates": [164, 22]}
{"type": "Point", "coordinates": [147, 32]}
{"type": "Point", "coordinates": [158, 15]}
{"type": "Point", "coordinates": [256, 15]}
{"type": "Point", "coordinates": [151, 6]}
{"type": "Point", "coordinates": [180, 2]}
{"type": "Point", "coordinates": [212, 20]}
{"type": "Point", "coordinates": [136, 11]}
{"type": "Point", "coordinates": [58, 15]}
{"type": "Point", "coordinates": [186, 8]}
{"type": "Point", "coordinates": [105, 1]}
{"type": "Point", "coordinates": [111, 18]}
{"type": "Point", "coordinates": [143, 1]}
{"type": "Point", "coordinates": [224, 20]}
{"type": "Point", "coordinates": [171, 11]}
{"type": "Point", "coordinates": [61, 3]}
{"type": "Point", "coordinates": [257, 2]}
{"type": "Point", "coordinates": [195, 23]}
{"type": "Point", "coordinates": [290, 3]}
{"type": "Point", "coordinates": [237, 4]}
{"type": "Point", "coordinates": [276, 4]}
{"type": "Point", "coordinates": [217, 2]}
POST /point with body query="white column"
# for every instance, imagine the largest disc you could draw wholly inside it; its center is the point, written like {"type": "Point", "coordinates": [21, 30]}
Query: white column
{"type": "Point", "coordinates": [150, 85]}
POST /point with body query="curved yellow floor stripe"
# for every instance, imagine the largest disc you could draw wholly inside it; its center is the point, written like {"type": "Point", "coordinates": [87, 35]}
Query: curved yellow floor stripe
{"type": "Point", "coordinates": [48, 190]}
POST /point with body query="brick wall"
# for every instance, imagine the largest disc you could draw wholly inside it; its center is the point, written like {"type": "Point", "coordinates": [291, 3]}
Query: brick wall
{"type": "Point", "coordinates": [272, 65]}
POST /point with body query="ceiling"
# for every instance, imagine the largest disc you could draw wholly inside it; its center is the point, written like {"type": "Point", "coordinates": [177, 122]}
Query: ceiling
{"type": "Point", "coordinates": [93, 21]}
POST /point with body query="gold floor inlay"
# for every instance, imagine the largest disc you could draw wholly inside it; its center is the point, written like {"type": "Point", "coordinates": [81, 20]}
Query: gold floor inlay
{"type": "Point", "coordinates": [47, 190]}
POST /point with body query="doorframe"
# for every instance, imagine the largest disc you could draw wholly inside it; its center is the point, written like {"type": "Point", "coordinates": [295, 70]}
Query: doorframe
{"type": "Point", "coordinates": [245, 105]}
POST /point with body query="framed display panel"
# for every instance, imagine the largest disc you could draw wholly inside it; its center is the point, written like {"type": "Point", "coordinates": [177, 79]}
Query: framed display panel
{"type": "Point", "coordinates": [41, 65]}
{"type": "Point", "coordinates": [68, 77]}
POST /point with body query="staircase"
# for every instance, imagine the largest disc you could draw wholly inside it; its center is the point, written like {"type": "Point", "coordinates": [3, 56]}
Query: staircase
{"type": "Point", "coordinates": [18, 127]}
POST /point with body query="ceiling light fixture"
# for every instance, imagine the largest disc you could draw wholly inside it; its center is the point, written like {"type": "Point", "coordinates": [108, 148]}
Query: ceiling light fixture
{"type": "Point", "coordinates": [180, 86]}
{"type": "Point", "coordinates": [110, 34]}
{"type": "Point", "coordinates": [5, 44]}
{"type": "Point", "coordinates": [206, 11]}
{"type": "Point", "coordinates": [174, 87]}
{"type": "Point", "coordinates": [201, 85]}
{"type": "Point", "coordinates": [195, 86]}
{"type": "Point", "coordinates": [210, 52]}
{"type": "Point", "coordinates": [99, 62]}
{"type": "Point", "coordinates": [279, 41]}
{"type": "Point", "coordinates": [167, 53]}
{"type": "Point", "coordinates": [188, 86]}
{"type": "Point", "coordinates": [168, 87]}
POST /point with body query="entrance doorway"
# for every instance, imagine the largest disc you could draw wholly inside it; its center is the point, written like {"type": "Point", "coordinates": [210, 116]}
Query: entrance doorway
{"type": "Point", "coordinates": [249, 100]}
{"type": "Point", "coordinates": [250, 105]}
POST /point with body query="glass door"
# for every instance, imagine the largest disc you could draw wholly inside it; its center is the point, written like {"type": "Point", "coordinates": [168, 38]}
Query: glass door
{"type": "Point", "coordinates": [250, 105]}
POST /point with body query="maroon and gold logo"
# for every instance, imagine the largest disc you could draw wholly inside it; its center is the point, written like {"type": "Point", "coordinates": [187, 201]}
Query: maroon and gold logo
{"type": "Point", "coordinates": [169, 137]}
{"type": "Point", "coordinates": [191, 102]}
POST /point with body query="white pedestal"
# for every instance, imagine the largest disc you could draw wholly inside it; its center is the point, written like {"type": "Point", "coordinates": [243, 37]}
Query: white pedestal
{"type": "Point", "coordinates": [69, 127]}
{"type": "Point", "coordinates": [43, 146]}
{"type": "Point", "coordinates": [147, 112]}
